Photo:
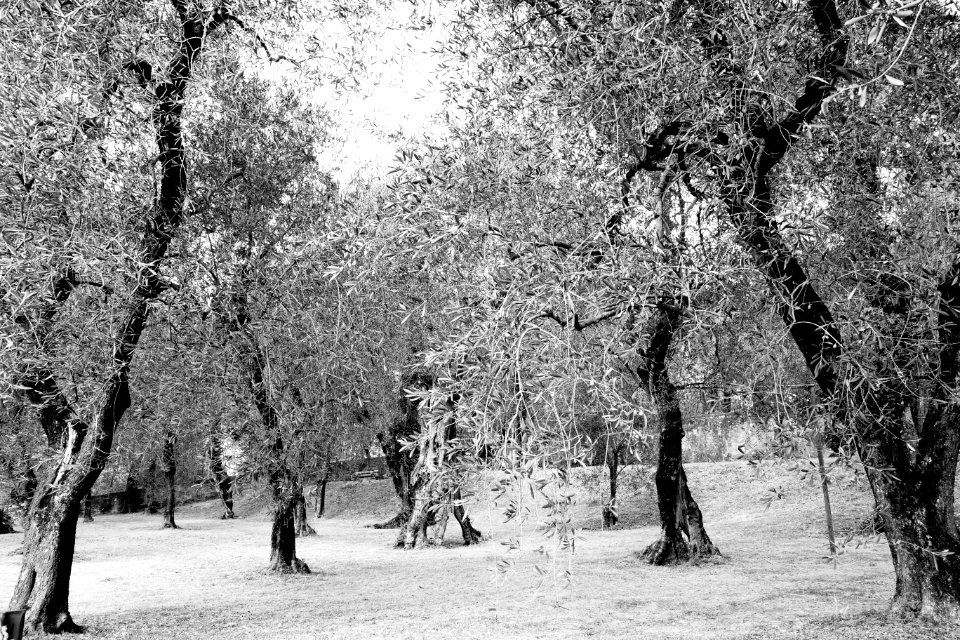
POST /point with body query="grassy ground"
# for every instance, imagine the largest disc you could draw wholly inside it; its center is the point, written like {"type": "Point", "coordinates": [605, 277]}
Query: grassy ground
{"type": "Point", "coordinates": [133, 580]}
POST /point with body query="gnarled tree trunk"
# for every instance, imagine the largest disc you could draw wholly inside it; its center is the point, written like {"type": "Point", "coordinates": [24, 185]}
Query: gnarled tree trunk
{"type": "Point", "coordinates": [431, 490]}
{"type": "Point", "coordinates": [401, 463]}
{"type": "Point", "coordinates": [682, 534]}
{"type": "Point", "coordinates": [6, 522]}
{"type": "Point", "coordinates": [283, 535]}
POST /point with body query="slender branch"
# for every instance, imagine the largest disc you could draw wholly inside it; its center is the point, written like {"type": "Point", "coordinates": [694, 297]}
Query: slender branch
{"type": "Point", "coordinates": [579, 325]}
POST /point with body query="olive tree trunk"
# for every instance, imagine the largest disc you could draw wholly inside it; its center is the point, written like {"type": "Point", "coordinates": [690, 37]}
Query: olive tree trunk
{"type": "Point", "coordinates": [401, 463]}
{"type": "Point", "coordinates": [286, 490]}
{"type": "Point", "coordinates": [433, 493]}
{"type": "Point", "coordinates": [682, 535]}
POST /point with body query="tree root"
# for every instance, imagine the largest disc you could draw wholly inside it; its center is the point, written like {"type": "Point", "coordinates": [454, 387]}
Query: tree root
{"type": "Point", "coordinates": [297, 566]}
{"type": "Point", "coordinates": [666, 551]}
{"type": "Point", "coordinates": [396, 522]}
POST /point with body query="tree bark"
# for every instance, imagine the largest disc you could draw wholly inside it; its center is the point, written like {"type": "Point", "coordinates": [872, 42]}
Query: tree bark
{"type": "Point", "coordinates": [415, 528]}
{"type": "Point", "coordinates": [283, 536]}
{"type": "Point", "coordinates": [698, 541]}
{"type": "Point", "coordinates": [170, 475]}
{"type": "Point", "coordinates": [132, 497]}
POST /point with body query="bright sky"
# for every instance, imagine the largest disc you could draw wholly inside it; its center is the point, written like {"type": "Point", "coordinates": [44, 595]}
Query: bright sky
{"type": "Point", "coordinates": [400, 94]}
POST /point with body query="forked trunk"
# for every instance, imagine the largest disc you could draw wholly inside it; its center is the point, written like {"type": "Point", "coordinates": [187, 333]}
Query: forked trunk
{"type": "Point", "coordinates": [426, 508]}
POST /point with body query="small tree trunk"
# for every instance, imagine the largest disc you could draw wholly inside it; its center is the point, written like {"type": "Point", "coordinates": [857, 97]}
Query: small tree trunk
{"type": "Point", "coordinates": [301, 526]}
{"type": "Point", "coordinates": [610, 517]}
{"type": "Point", "coordinates": [170, 474]}
{"type": "Point", "coordinates": [88, 507]}
{"type": "Point", "coordinates": [321, 497]}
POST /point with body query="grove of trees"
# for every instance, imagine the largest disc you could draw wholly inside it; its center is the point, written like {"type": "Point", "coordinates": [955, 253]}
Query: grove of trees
{"type": "Point", "coordinates": [617, 202]}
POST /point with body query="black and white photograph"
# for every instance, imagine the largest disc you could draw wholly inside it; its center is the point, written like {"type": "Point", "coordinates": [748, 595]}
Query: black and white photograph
{"type": "Point", "coordinates": [479, 319]}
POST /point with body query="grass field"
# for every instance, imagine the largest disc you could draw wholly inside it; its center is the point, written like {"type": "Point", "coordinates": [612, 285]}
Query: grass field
{"type": "Point", "coordinates": [133, 580]}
